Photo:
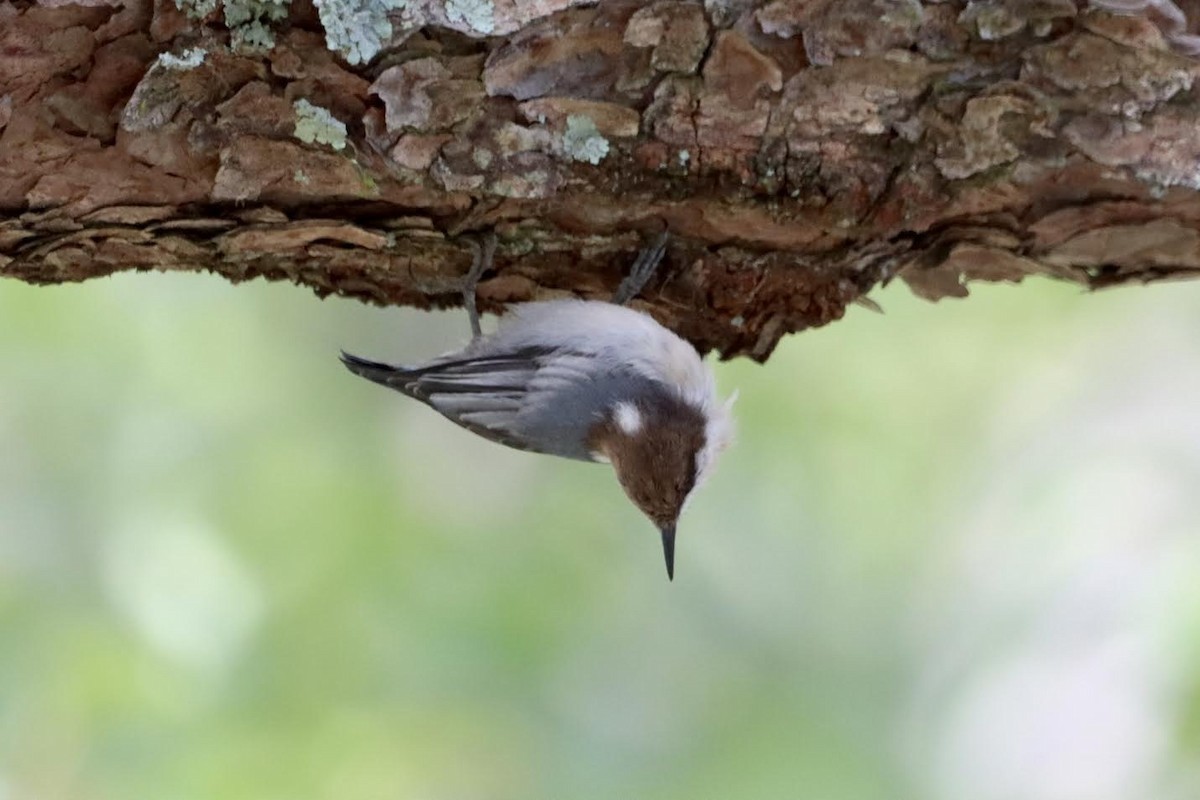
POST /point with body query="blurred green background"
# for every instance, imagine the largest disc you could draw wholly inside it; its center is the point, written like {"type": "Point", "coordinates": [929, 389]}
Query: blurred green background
{"type": "Point", "coordinates": [954, 555]}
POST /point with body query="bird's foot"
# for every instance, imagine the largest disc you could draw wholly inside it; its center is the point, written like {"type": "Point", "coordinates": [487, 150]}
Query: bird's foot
{"type": "Point", "coordinates": [643, 270]}
{"type": "Point", "coordinates": [483, 250]}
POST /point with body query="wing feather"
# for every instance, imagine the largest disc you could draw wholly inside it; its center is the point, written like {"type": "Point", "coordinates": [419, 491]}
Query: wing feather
{"type": "Point", "coordinates": [543, 399]}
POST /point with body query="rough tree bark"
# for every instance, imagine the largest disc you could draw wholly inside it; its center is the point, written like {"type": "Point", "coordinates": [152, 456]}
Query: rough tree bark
{"type": "Point", "coordinates": [801, 151]}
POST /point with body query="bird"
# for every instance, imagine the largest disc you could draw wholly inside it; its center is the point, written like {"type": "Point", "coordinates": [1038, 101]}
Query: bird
{"type": "Point", "coordinates": [582, 379]}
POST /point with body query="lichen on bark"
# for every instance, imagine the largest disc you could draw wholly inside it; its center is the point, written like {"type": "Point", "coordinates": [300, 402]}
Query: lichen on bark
{"type": "Point", "coordinates": [800, 151]}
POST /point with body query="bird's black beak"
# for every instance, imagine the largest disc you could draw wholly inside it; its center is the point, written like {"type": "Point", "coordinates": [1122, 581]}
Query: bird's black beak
{"type": "Point", "coordinates": [668, 537]}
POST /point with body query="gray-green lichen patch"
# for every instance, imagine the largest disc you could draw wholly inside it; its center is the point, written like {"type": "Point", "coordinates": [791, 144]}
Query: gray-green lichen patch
{"type": "Point", "coordinates": [358, 29]}
{"type": "Point", "coordinates": [250, 22]}
{"type": "Point", "coordinates": [315, 125]}
{"type": "Point", "coordinates": [157, 97]}
{"type": "Point", "coordinates": [188, 59]}
{"type": "Point", "coordinates": [477, 15]}
{"type": "Point", "coordinates": [196, 9]}
{"type": "Point", "coordinates": [582, 141]}
{"type": "Point", "coordinates": [253, 37]}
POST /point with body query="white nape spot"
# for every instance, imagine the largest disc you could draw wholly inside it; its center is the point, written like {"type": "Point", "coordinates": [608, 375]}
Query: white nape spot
{"type": "Point", "coordinates": [628, 418]}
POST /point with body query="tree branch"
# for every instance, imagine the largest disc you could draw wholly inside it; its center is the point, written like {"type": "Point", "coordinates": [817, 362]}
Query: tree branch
{"type": "Point", "coordinates": [800, 151]}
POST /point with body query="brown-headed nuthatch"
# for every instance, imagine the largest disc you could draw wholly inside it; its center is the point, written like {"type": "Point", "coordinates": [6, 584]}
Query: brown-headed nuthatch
{"type": "Point", "coordinates": [587, 380]}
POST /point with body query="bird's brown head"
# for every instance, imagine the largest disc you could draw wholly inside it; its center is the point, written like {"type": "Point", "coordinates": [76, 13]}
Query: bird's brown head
{"type": "Point", "coordinates": [655, 446]}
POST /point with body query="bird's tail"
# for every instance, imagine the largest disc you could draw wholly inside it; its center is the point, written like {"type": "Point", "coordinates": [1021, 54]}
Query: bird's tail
{"type": "Point", "coordinates": [384, 374]}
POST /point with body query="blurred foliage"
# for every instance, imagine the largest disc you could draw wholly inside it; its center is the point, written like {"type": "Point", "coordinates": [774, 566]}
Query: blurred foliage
{"type": "Point", "coordinates": [954, 554]}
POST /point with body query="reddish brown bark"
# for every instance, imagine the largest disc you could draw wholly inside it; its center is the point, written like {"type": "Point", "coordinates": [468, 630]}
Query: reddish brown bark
{"type": "Point", "coordinates": [801, 151]}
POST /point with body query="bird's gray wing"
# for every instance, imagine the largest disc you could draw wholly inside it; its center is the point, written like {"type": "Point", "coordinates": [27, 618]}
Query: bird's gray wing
{"type": "Point", "coordinates": [540, 399]}
{"type": "Point", "coordinates": [483, 394]}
